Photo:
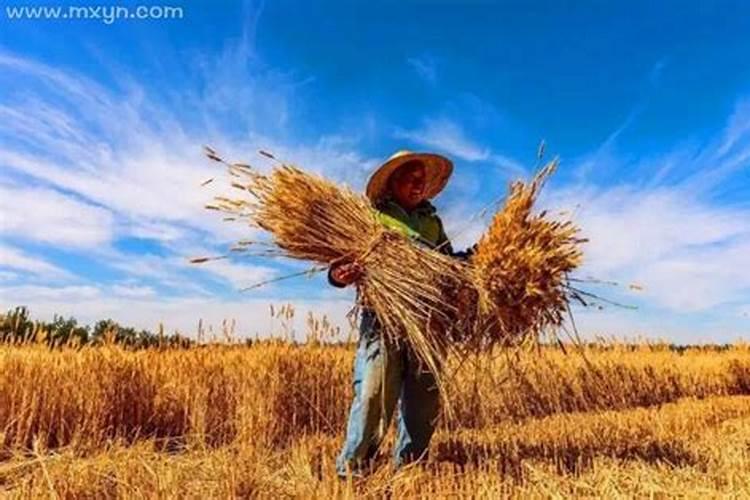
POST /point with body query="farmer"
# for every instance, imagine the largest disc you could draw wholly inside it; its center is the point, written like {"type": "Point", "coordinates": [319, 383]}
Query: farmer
{"type": "Point", "coordinates": [384, 372]}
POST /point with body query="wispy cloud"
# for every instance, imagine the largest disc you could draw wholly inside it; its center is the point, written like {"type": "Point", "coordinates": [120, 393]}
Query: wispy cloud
{"type": "Point", "coordinates": [8, 276]}
{"type": "Point", "coordinates": [445, 135]}
{"type": "Point", "coordinates": [425, 66]}
{"type": "Point", "coordinates": [667, 233]}
{"type": "Point", "coordinates": [23, 294]}
{"type": "Point", "coordinates": [13, 258]}
{"type": "Point", "coordinates": [89, 165]}
{"type": "Point", "coordinates": [726, 156]}
{"type": "Point", "coordinates": [656, 72]}
{"type": "Point", "coordinates": [737, 129]}
{"type": "Point", "coordinates": [688, 254]}
{"type": "Point", "coordinates": [48, 216]}
{"type": "Point", "coordinates": [237, 274]}
{"type": "Point", "coordinates": [689, 251]}
{"type": "Point", "coordinates": [463, 223]}
{"type": "Point", "coordinates": [604, 160]}
{"type": "Point", "coordinates": [133, 291]}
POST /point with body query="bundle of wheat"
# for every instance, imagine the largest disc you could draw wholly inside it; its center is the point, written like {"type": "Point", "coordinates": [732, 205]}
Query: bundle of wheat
{"type": "Point", "coordinates": [521, 267]}
{"type": "Point", "coordinates": [517, 278]}
{"type": "Point", "coordinates": [310, 218]}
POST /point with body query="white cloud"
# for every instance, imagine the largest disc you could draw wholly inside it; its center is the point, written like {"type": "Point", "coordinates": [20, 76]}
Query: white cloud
{"type": "Point", "coordinates": [690, 253]}
{"type": "Point", "coordinates": [29, 294]}
{"type": "Point", "coordinates": [333, 156]}
{"type": "Point", "coordinates": [90, 304]}
{"type": "Point", "coordinates": [171, 271]}
{"type": "Point", "coordinates": [174, 271]}
{"type": "Point", "coordinates": [699, 279]}
{"type": "Point", "coordinates": [445, 135]}
{"type": "Point", "coordinates": [509, 165]}
{"type": "Point", "coordinates": [647, 324]}
{"type": "Point", "coordinates": [737, 131]}
{"type": "Point", "coordinates": [154, 230]}
{"type": "Point", "coordinates": [48, 216]}
{"type": "Point", "coordinates": [15, 259]}
{"type": "Point", "coordinates": [238, 275]}
{"type": "Point", "coordinates": [133, 291]}
{"type": "Point", "coordinates": [463, 225]}
{"type": "Point", "coordinates": [625, 225]}
{"type": "Point", "coordinates": [8, 276]}
{"type": "Point", "coordinates": [706, 169]}
{"type": "Point", "coordinates": [145, 166]}
{"type": "Point", "coordinates": [112, 163]}
{"type": "Point", "coordinates": [666, 226]}
{"type": "Point", "coordinates": [145, 188]}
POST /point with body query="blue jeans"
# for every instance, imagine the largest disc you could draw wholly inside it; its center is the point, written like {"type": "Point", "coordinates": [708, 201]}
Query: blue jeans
{"type": "Point", "coordinates": [384, 373]}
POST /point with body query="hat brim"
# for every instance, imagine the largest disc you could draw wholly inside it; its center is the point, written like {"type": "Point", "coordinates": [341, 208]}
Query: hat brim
{"type": "Point", "coordinates": [438, 171]}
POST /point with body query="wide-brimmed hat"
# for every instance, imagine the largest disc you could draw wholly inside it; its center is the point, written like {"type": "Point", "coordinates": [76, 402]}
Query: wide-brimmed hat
{"type": "Point", "coordinates": [438, 170]}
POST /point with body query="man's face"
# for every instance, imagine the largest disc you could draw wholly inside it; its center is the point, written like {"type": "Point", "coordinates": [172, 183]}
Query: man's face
{"type": "Point", "coordinates": [408, 185]}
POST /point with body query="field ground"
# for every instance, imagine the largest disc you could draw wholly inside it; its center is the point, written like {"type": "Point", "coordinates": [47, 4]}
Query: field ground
{"type": "Point", "coordinates": [267, 421]}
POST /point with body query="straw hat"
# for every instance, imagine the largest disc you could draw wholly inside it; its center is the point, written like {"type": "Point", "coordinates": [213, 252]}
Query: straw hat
{"type": "Point", "coordinates": [438, 171]}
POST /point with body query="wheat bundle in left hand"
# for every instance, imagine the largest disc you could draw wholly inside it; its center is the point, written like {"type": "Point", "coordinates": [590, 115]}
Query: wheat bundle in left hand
{"type": "Point", "coordinates": [310, 218]}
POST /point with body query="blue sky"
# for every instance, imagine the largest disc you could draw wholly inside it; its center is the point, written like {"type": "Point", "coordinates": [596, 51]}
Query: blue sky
{"type": "Point", "coordinates": [647, 106]}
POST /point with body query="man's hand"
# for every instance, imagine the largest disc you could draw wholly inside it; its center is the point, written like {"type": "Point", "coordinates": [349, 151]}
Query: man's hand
{"type": "Point", "coordinates": [346, 273]}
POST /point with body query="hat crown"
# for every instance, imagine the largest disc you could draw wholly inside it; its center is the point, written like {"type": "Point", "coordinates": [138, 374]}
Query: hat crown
{"type": "Point", "coordinates": [399, 154]}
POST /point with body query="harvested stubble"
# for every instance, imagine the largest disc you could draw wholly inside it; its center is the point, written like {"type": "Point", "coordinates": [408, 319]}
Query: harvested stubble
{"type": "Point", "coordinates": [521, 268]}
{"type": "Point", "coordinates": [693, 448]}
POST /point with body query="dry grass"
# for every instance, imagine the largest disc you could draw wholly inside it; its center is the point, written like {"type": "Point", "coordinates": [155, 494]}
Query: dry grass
{"type": "Point", "coordinates": [689, 447]}
{"type": "Point", "coordinates": [521, 267]}
{"type": "Point", "coordinates": [267, 420]}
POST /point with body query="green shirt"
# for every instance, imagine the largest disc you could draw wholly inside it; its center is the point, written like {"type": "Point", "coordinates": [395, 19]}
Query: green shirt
{"type": "Point", "coordinates": [422, 223]}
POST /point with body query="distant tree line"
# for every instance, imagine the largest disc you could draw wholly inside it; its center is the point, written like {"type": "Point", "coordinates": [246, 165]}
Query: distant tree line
{"type": "Point", "coordinates": [17, 326]}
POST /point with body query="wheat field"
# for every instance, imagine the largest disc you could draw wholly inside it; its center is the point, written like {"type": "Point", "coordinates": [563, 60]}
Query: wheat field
{"type": "Point", "coordinates": [267, 420]}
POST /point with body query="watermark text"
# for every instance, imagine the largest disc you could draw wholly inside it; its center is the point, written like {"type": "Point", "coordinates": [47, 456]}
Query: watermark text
{"type": "Point", "coordinates": [107, 14]}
